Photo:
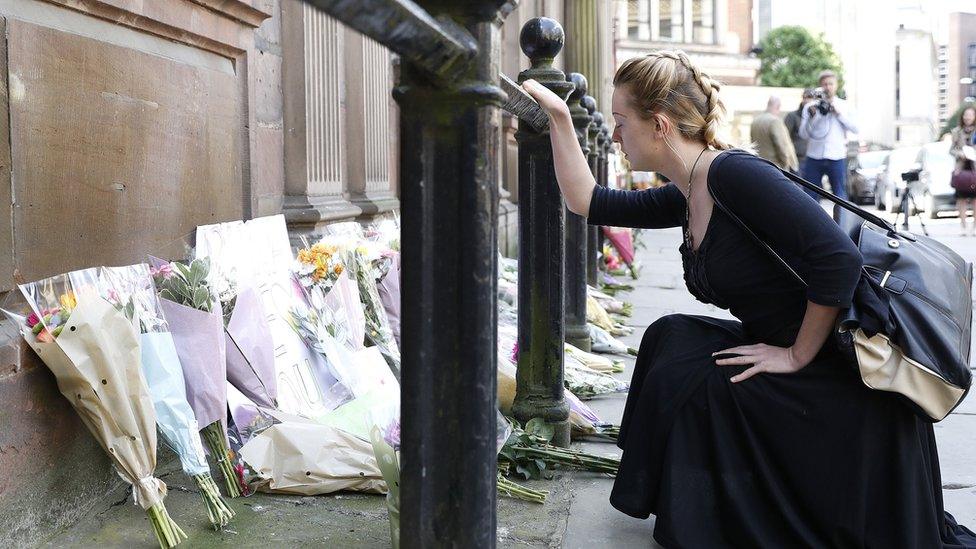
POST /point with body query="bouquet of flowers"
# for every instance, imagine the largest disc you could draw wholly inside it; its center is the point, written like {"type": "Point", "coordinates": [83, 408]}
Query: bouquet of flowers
{"type": "Point", "coordinates": [386, 234]}
{"type": "Point", "coordinates": [301, 456]}
{"type": "Point", "coordinates": [256, 255]}
{"type": "Point", "coordinates": [527, 452]}
{"type": "Point", "coordinates": [586, 384]}
{"type": "Point", "coordinates": [249, 345]}
{"type": "Point", "coordinates": [386, 448]}
{"type": "Point", "coordinates": [131, 290]}
{"type": "Point", "coordinates": [603, 342]}
{"type": "Point", "coordinates": [622, 241]}
{"type": "Point", "coordinates": [596, 314]}
{"type": "Point", "coordinates": [193, 314]}
{"type": "Point", "coordinates": [368, 262]}
{"type": "Point", "coordinates": [94, 352]}
{"type": "Point", "coordinates": [594, 362]}
{"type": "Point", "coordinates": [609, 303]}
{"type": "Point", "coordinates": [332, 301]}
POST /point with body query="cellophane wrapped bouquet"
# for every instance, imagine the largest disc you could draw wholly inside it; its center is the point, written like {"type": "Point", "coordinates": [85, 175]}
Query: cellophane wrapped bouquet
{"type": "Point", "coordinates": [94, 351]}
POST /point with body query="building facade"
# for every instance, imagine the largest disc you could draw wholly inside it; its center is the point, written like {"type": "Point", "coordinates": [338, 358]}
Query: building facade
{"type": "Point", "coordinates": [916, 87]}
{"type": "Point", "coordinates": [716, 34]}
{"type": "Point", "coordinates": [960, 61]}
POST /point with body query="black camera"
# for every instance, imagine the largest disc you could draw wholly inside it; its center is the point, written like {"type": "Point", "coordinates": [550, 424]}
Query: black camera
{"type": "Point", "coordinates": [823, 105]}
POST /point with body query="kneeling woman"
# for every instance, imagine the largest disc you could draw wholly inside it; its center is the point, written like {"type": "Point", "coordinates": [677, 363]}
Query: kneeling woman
{"type": "Point", "coordinates": [781, 444]}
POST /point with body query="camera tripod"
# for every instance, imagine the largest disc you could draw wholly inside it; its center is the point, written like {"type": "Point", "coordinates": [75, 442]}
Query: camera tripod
{"type": "Point", "coordinates": [908, 200]}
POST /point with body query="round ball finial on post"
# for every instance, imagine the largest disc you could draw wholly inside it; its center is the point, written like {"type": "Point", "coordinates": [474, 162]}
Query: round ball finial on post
{"type": "Point", "coordinates": [579, 92]}
{"type": "Point", "coordinates": [541, 40]}
{"type": "Point", "coordinates": [589, 103]}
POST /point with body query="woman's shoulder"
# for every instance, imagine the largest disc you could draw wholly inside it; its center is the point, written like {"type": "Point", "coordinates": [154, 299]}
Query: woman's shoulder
{"type": "Point", "coordinates": [741, 176]}
{"type": "Point", "coordinates": [733, 164]}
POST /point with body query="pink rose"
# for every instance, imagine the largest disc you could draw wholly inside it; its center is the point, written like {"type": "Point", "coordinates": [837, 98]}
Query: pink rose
{"type": "Point", "coordinates": [32, 320]}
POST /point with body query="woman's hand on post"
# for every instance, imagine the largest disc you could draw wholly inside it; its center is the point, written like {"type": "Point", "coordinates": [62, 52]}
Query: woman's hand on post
{"type": "Point", "coordinates": [547, 99]}
{"type": "Point", "coordinates": [763, 358]}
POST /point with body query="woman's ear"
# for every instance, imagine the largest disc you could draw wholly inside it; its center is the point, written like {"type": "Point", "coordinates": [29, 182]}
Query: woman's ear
{"type": "Point", "coordinates": [662, 126]}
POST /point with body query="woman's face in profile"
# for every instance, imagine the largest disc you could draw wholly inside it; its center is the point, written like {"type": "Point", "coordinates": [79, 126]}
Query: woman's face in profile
{"type": "Point", "coordinates": [636, 135]}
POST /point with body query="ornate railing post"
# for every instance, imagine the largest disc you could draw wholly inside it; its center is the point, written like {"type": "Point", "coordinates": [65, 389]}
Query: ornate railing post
{"type": "Point", "coordinates": [593, 158]}
{"type": "Point", "coordinates": [605, 145]}
{"type": "Point", "coordinates": [576, 234]}
{"type": "Point", "coordinates": [539, 379]}
{"type": "Point", "coordinates": [449, 201]}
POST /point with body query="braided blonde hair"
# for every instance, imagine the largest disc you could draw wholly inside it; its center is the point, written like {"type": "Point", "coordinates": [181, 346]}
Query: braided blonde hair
{"type": "Point", "coordinates": [668, 82]}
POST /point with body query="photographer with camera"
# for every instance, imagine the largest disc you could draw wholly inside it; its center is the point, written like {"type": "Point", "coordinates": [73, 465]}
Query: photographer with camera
{"type": "Point", "coordinates": [826, 121]}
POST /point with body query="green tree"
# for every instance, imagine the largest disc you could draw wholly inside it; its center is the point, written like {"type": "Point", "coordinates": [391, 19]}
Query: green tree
{"type": "Point", "coordinates": [792, 57]}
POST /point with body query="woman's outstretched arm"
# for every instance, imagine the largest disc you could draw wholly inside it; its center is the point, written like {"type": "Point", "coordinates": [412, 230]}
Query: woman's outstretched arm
{"type": "Point", "coordinates": [572, 171]}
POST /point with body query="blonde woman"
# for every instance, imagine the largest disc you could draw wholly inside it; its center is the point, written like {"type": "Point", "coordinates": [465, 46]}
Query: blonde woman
{"type": "Point", "coordinates": [775, 442]}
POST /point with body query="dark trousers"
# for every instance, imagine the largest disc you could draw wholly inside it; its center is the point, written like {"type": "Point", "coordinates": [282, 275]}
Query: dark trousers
{"type": "Point", "coordinates": [813, 170]}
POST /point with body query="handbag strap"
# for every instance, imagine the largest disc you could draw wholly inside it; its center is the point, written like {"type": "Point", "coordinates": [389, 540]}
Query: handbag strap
{"type": "Point", "coordinates": [847, 205]}
{"type": "Point", "coordinates": [754, 236]}
{"type": "Point", "coordinates": [860, 212]}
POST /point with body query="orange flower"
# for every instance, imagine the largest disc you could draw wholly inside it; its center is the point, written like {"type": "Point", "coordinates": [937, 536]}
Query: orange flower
{"type": "Point", "coordinates": [305, 255]}
{"type": "Point", "coordinates": [337, 269]}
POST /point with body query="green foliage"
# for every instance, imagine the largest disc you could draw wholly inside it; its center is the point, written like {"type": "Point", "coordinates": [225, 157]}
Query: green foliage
{"type": "Point", "coordinates": [187, 285]}
{"type": "Point", "coordinates": [792, 57]}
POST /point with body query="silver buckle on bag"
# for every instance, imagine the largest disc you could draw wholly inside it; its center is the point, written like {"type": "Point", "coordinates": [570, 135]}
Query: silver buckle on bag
{"type": "Point", "coordinates": [884, 279]}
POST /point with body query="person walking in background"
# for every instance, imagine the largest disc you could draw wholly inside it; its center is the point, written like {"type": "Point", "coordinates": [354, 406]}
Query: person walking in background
{"type": "Point", "coordinates": [772, 139]}
{"type": "Point", "coordinates": [963, 134]}
{"type": "Point", "coordinates": [826, 122]}
{"type": "Point", "coordinates": [964, 183]}
{"type": "Point", "coordinates": [793, 120]}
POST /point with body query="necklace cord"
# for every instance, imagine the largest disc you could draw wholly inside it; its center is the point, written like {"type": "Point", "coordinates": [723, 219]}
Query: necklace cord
{"type": "Point", "coordinates": [691, 175]}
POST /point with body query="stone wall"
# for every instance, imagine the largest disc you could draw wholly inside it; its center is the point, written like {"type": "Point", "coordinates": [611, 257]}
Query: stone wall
{"type": "Point", "coordinates": [126, 124]}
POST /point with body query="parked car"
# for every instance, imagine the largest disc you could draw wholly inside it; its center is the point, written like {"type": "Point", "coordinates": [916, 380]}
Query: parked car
{"type": "Point", "coordinates": [935, 166]}
{"type": "Point", "coordinates": [891, 187]}
{"type": "Point", "coordinates": [862, 177]}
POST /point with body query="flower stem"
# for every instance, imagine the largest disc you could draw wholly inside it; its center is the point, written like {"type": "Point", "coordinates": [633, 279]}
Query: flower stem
{"type": "Point", "coordinates": [213, 436]}
{"type": "Point", "coordinates": [517, 491]}
{"type": "Point", "coordinates": [217, 509]}
{"type": "Point", "coordinates": [168, 533]}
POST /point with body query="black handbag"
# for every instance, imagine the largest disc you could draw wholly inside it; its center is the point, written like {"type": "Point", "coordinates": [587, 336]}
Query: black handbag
{"type": "Point", "coordinates": [909, 328]}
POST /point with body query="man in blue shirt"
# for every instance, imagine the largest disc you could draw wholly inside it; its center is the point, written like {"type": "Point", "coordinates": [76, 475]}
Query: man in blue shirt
{"type": "Point", "coordinates": [826, 136]}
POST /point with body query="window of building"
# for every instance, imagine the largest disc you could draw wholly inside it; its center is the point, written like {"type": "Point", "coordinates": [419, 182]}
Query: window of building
{"type": "Point", "coordinates": [671, 20]}
{"type": "Point", "coordinates": [634, 18]}
{"type": "Point", "coordinates": [703, 21]}
{"type": "Point", "coordinates": [972, 56]}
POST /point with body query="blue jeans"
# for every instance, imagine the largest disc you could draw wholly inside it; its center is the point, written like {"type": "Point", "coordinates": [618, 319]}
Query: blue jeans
{"type": "Point", "coordinates": [814, 169]}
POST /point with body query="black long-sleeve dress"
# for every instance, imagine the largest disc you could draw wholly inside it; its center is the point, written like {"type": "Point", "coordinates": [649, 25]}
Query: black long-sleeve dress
{"type": "Point", "coordinates": [809, 459]}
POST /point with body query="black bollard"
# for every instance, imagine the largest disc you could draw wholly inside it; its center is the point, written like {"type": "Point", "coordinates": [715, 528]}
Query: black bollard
{"type": "Point", "coordinates": [539, 379]}
{"type": "Point", "coordinates": [606, 146]}
{"type": "Point", "coordinates": [449, 200]}
{"type": "Point", "coordinates": [592, 239]}
{"type": "Point", "coordinates": [576, 234]}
